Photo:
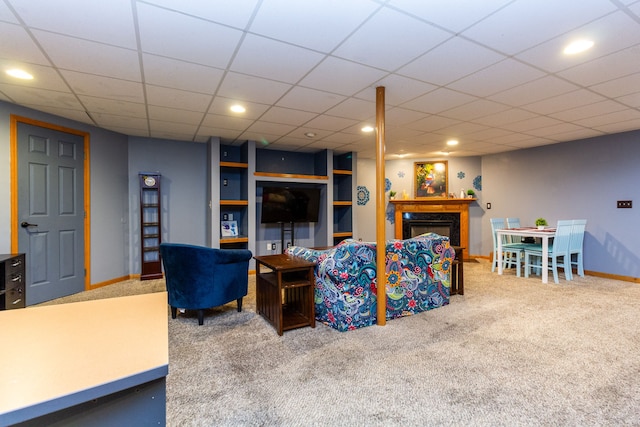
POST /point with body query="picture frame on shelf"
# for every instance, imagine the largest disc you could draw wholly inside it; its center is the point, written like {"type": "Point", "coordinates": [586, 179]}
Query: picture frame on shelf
{"type": "Point", "coordinates": [431, 179]}
{"type": "Point", "coordinates": [229, 228]}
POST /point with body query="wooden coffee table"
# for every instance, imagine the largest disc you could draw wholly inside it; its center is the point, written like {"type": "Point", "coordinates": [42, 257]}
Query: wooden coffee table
{"type": "Point", "coordinates": [284, 293]}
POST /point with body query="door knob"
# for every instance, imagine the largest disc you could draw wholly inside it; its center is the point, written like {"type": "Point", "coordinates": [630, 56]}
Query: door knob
{"type": "Point", "coordinates": [25, 224]}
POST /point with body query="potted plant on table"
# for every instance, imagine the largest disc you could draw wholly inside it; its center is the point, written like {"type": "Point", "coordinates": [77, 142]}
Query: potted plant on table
{"type": "Point", "coordinates": [470, 193]}
{"type": "Point", "coordinates": [392, 195]}
{"type": "Point", "coordinates": [541, 223]}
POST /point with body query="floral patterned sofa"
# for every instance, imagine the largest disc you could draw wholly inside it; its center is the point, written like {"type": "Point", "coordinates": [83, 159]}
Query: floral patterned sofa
{"type": "Point", "coordinates": [417, 272]}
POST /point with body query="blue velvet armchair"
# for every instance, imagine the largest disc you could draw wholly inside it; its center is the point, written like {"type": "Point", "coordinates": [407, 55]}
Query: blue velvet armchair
{"type": "Point", "coordinates": [199, 278]}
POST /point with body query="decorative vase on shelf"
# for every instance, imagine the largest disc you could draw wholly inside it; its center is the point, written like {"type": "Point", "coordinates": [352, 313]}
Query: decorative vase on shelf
{"type": "Point", "coordinates": [541, 227]}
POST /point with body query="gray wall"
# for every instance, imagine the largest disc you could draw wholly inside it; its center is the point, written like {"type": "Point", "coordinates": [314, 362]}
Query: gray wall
{"type": "Point", "coordinates": [183, 166]}
{"type": "Point", "coordinates": [578, 179]}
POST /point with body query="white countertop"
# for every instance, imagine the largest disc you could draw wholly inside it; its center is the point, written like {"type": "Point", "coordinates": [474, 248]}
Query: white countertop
{"type": "Point", "coordinates": [57, 356]}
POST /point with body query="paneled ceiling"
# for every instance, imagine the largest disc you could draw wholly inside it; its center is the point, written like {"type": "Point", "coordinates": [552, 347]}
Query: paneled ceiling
{"type": "Point", "coordinates": [490, 73]}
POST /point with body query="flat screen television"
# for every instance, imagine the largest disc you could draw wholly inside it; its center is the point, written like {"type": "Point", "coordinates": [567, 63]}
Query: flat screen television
{"type": "Point", "coordinates": [290, 204]}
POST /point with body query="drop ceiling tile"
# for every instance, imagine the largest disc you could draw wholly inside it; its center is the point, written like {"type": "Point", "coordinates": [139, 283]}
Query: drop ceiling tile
{"type": "Point", "coordinates": [610, 34]}
{"type": "Point", "coordinates": [352, 108]}
{"type": "Point", "coordinates": [17, 47]}
{"type": "Point", "coordinates": [271, 55]}
{"type": "Point", "coordinates": [175, 115]}
{"type": "Point", "coordinates": [398, 90]}
{"type": "Point", "coordinates": [23, 95]}
{"type": "Point", "coordinates": [221, 106]}
{"type": "Point", "coordinates": [474, 109]}
{"type": "Point", "coordinates": [226, 122]}
{"type": "Point", "coordinates": [507, 32]}
{"type": "Point", "coordinates": [315, 25]}
{"type": "Point", "coordinates": [400, 133]}
{"type": "Point", "coordinates": [451, 61]}
{"type": "Point", "coordinates": [104, 87]}
{"type": "Point", "coordinates": [165, 33]}
{"type": "Point", "coordinates": [580, 133]}
{"type": "Point", "coordinates": [287, 116]}
{"type": "Point", "coordinates": [235, 14]}
{"type": "Point", "coordinates": [600, 70]}
{"type": "Point", "coordinates": [618, 87]}
{"type": "Point", "coordinates": [589, 110]}
{"type": "Point", "coordinates": [459, 130]}
{"type": "Point", "coordinates": [598, 122]}
{"type": "Point", "coordinates": [439, 100]}
{"type": "Point", "coordinates": [44, 78]}
{"type": "Point", "coordinates": [510, 116]}
{"type": "Point", "coordinates": [332, 123]}
{"type": "Point", "coordinates": [536, 90]}
{"type": "Point", "coordinates": [551, 132]}
{"type": "Point", "coordinates": [626, 126]}
{"type": "Point", "coordinates": [401, 116]}
{"type": "Point", "coordinates": [6, 14]}
{"type": "Point", "coordinates": [454, 15]}
{"type": "Point", "coordinates": [432, 123]}
{"type": "Point", "coordinates": [379, 49]}
{"type": "Point", "coordinates": [108, 106]}
{"type": "Point", "coordinates": [632, 100]}
{"type": "Point", "coordinates": [175, 74]}
{"type": "Point", "coordinates": [340, 76]}
{"type": "Point", "coordinates": [247, 88]}
{"type": "Point", "coordinates": [110, 121]}
{"type": "Point", "coordinates": [96, 58]}
{"type": "Point", "coordinates": [107, 22]}
{"type": "Point", "coordinates": [343, 138]}
{"type": "Point", "coordinates": [497, 78]}
{"type": "Point", "coordinates": [309, 100]}
{"type": "Point", "coordinates": [563, 102]}
{"type": "Point", "coordinates": [270, 128]}
{"type": "Point", "coordinates": [531, 124]}
{"type": "Point", "coordinates": [181, 99]}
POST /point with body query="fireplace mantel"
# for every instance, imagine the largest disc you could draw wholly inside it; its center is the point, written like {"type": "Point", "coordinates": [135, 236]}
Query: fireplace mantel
{"type": "Point", "coordinates": [427, 205]}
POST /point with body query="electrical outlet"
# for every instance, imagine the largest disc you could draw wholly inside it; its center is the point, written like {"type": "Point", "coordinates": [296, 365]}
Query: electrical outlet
{"type": "Point", "coordinates": [268, 246]}
{"type": "Point", "coordinates": [225, 182]}
{"type": "Point", "coordinates": [625, 204]}
{"type": "Point", "coordinates": [224, 154]}
{"type": "Point", "coordinates": [225, 217]}
{"type": "Point", "coordinates": [273, 246]}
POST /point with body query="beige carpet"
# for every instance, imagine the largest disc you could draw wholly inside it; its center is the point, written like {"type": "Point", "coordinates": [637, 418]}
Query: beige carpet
{"type": "Point", "coordinates": [511, 351]}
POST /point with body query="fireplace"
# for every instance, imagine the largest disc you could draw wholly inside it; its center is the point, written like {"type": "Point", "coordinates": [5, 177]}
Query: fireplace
{"type": "Point", "coordinates": [444, 224]}
{"type": "Point", "coordinates": [438, 215]}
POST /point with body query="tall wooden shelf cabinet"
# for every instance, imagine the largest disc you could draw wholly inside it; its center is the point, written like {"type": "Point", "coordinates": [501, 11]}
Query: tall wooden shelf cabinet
{"type": "Point", "coordinates": [150, 225]}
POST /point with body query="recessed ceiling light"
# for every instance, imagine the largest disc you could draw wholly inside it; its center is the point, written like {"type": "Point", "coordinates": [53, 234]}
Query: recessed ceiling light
{"type": "Point", "coordinates": [310, 134]}
{"type": "Point", "coordinates": [367, 129]}
{"type": "Point", "coordinates": [19, 74]}
{"type": "Point", "coordinates": [578, 46]}
{"type": "Point", "coordinates": [238, 108]}
{"type": "Point", "coordinates": [452, 142]}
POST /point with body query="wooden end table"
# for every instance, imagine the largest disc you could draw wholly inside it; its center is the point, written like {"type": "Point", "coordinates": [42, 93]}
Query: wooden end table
{"type": "Point", "coordinates": [284, 294]}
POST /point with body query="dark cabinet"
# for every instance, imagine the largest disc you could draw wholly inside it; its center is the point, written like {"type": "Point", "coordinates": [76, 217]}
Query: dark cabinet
{"type": "Point", "coordinates": [150, 226]}
{"type": "Point", "coordinates": [12, 281]}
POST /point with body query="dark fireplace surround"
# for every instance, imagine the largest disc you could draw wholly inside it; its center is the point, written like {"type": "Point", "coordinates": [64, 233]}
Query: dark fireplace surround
{"type": "Point", "coordinates": [443, 223]}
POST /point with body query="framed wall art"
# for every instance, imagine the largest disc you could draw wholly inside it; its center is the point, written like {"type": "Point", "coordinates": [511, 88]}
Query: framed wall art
{"type": "Point", "coordinates": [430, 179]}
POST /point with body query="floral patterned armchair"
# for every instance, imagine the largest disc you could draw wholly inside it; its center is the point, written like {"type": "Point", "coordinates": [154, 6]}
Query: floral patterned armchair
{"type": "Point", "coordinates": [417, 271]}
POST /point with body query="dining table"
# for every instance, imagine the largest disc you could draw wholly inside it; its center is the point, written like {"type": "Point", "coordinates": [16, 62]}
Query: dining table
{"type": "Point", "coordinates": [544, 234]}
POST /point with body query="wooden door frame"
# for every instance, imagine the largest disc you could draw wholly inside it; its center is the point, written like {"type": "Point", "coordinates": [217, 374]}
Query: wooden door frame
{"type": "Point", "coordinates": [15, 119]}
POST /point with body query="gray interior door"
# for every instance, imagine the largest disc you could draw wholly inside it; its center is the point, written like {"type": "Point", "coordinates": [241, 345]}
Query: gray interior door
{"type": "Point", "coordinates": [51, 211]}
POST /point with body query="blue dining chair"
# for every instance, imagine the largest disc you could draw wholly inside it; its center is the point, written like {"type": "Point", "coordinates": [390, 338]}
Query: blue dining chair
{"type": "Point", "coordinates": [575, 245]}
{"type": "Point", "coordinates": [511, 252]}
{"type": "Point", "coordinates": [558, 252]}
